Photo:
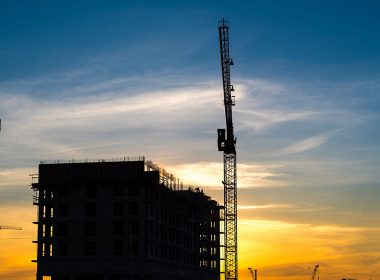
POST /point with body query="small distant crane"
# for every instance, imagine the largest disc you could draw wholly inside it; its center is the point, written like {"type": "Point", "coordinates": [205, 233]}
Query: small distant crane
{"type": "Point", "coordinates": [315, 272]}
{"type": "Point", "coordinates": [253, 273]}
{"type": "Point", "coordinates": [10, 227]}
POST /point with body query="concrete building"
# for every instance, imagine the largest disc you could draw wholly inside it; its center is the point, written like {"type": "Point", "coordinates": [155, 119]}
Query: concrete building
{"type": "Point", "coordinates": [125, 219]}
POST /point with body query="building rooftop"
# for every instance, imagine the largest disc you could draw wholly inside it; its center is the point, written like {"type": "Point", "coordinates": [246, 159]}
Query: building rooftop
{"type": "Point", "coordinates": [167, 179]}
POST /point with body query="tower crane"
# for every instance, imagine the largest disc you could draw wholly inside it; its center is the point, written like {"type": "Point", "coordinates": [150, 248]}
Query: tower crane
{"type": "Point", "coordinates": [315, 271]}
{"type": "Point", "coordinates": [10, 227]}
{"type": "Point", "coordinates": [227, 144]}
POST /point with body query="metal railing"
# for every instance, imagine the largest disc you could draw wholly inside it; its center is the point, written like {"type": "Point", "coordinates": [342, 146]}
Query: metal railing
{"type": "Point", "coordinates": [86, 160]}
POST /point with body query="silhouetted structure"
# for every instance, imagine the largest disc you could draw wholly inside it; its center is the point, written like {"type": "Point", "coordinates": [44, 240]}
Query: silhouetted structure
{"type": "Point", "coordinates": [123, 219]}
{"type": "Point", "coordinates": [227, 144]}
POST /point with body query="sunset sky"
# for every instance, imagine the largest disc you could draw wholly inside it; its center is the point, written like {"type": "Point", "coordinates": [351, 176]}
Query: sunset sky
{"type": "Point", "coordinates": [105, 79]}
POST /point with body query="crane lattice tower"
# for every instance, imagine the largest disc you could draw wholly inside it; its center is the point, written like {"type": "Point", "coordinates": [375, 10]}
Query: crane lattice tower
{"type": "Point", "coordinates": [227, 144]}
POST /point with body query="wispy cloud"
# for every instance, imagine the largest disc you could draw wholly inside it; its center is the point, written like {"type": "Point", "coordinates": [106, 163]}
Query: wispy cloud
{"type": "Point", "coordinates": [14, 177]}
{"type": "Point", "coordinates": [285, 207]}
{"type": "Point", "coordinates": [51, 127]}
{"type": "Point", "coordinates": [210, 174]}
{"type": "Point", "coordinates": [307, 144]}
{"type": "Point", "coordinates": [86, 124]}
{"type": "Point", "coordinates": [15, 185]}
{"type": "Point", "coordinates": [258, 107]}
{"type": "Point", "coordinates": [266, 206]}
{"type": "Point", "coordinates": [264, 106]}
{"type": "Point", "coordinates": [262, 119]}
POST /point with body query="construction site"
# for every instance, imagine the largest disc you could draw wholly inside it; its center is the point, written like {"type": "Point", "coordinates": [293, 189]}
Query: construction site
{"type": "Point", "coordinates": [123, 219]}
{"type": "Point", "coordinates": [157, 140]}
{"type": "Point", "coordinates": [128, 219]}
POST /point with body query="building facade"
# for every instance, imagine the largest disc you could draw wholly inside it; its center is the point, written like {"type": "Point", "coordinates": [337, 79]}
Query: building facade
{"type": "Point", "coordinates": [123, 220]}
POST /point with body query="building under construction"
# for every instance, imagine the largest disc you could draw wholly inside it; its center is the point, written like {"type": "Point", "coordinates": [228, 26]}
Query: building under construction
{"type": "Point", "coordinates": [123, 219]}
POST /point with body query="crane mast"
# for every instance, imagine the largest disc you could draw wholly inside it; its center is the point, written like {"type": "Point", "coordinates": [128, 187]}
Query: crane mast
{"type": "Point", "coordinates": [226, 143]}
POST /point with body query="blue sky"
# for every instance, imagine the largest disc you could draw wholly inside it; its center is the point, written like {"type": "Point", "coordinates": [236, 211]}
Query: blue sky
{"type": "Point", "coordinates": [102, 79]}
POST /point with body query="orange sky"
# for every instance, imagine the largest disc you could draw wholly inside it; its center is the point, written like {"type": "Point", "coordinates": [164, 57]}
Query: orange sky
{"type": "Point", "coordinates": [279, 250]}
{"type": "Point", "coordinates": [17, 249]}
{"type": "Point", "coordinates": [107, 79]}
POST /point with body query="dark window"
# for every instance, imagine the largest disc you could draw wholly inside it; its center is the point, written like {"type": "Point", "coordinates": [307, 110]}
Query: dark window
{"type": "Point", "coordinates": [133, 190]}
{"type": "Point", "coordinates": [134, 248]}
{"type": "Point", "coordinates": [118, 228]}
{"type": "Point", "coordinates": [46, 250]}
{"type": "Point", "coordinates": [134, 208]}
{"type": "Point", "coordinates": [90, 228]}
{"type": "Point", "coordinates": [90, 248]}
{"type": "Point", "coordinates": [49, 194]}
{"type": "Point", "coordinates": [63, 193]}
{"type": "Point", "coordinates": [61, 249]}
{"type": "Point", "coordinates": [62, 210]}
{"type": "Point", "coordinates": [134, 227]}
{"type": "Point", "coordinates": [118, 209]}
{"type": "Point", "coordinates": [90, 209]}
{"type": "Point", "coordinates": [118, 248]}
{"type": "Point", "coordinates": [82, 277]}
{"type": "Point", "coordinates": [62, 229]}
{"type": "Point", "coordinates": [151, 211]}
{"type": "Point", "coordinates": [117, 190]}
{"type": "Point", "coordinates": [90, 190]}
